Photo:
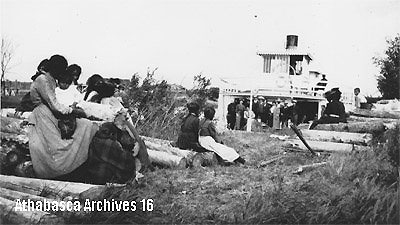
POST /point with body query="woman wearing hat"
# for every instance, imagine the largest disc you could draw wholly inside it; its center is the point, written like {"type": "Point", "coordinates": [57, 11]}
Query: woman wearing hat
{"type": "Point", "coordinates": [334, 112]}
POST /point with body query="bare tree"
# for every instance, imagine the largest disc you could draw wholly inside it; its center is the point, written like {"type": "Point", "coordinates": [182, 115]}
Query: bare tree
{"type": "Point", "coordinates": [7, 54]}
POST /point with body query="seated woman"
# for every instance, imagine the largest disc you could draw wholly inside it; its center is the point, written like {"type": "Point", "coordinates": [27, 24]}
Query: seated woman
{"type": "Point", "coordinates": [92, 155]}
{"type": "Point", "coordinates": [208, 139]}
{"type": "Point", "coordinates": [334, 112]}
{"type": "Point", "coordinates": [98, 88]}
{"type": "Point", "coordinates": [189, 135]}
{"type": "Point", "coordinates": [51, 155]}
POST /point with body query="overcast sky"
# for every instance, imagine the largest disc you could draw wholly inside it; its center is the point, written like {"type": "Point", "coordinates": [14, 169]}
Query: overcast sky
{"type": "Point", "coordinates": [182, 38]}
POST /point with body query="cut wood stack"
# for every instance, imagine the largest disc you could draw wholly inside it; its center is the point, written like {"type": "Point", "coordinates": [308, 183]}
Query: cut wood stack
{"type": "Point", "coordinates": [356, 135]}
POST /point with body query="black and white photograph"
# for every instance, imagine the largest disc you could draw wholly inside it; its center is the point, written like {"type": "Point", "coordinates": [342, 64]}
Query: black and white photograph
{"type": "Point", "coordinates": [200, 112]}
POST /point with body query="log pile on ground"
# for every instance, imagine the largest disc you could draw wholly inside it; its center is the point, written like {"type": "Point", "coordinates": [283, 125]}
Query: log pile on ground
{"type": "Point", "coordinates": [356, 135]}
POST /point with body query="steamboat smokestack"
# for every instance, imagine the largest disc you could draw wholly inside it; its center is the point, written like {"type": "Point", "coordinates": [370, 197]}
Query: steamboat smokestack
{"type": "Point", "coordinates": [291, 41]}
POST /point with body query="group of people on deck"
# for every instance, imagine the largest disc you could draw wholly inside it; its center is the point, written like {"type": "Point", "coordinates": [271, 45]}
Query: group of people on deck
{"type": "Point", "coordinates": [63, 143]}
{"type": "Point", "coordinates": [239, 113]}
{"type": "Point", "coordinates": [278, 114]}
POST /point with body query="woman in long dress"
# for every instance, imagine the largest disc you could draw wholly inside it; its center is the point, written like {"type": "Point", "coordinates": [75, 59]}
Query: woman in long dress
{"type": "Point", "coordinates": [189, 135]}
{"type": "Point", "coordinates": [51, 155]}
{"type": "Point", "coordinates": [208, 139]}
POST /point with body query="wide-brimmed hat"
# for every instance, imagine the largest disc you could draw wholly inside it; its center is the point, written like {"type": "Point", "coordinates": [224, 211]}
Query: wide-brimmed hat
{"type": "Point", "coordinates": [333, 92]}
{"type": "Point", "coordinates": [336, 91]}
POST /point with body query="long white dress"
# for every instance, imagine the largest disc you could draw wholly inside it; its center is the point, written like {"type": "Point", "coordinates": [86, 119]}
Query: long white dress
{"type": "Point", "coordinates": [207, 128]}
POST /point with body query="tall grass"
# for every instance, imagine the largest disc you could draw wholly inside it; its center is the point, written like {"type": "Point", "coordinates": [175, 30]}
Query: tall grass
{"type": "Point", "coordinates": [360, 188]}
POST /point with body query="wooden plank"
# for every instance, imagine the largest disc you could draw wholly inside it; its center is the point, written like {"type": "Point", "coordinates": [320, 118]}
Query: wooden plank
{"type": "Point", "coordinates": [336, 136]}
{"type": "Point", "coordinates": [326, 146]}
{"type": "Point", "coordinates": [10, 213]}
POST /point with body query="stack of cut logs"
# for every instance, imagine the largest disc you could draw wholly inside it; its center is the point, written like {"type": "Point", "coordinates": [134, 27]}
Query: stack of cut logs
{"type": "Point", "coordinates": [356, 135]}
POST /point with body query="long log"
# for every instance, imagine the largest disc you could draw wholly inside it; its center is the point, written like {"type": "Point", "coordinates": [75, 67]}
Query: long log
{"type": "Point", "coordinates": [357, 127]}
{"type": "Point", "coordinates": [192, 158]}
{"type": "Point", "coordinates": [354, 118]}
{"type": "Point", "coordinates": [335, 136]}
{"type": "Point", "coordinates": [169, 149]}
{"type": "Point", "coordinates": [47, 188]}
{"type": "Point", "coordinates": [326, 146]}
{"type": "Point", "coordinates": [9, 213]}
{"type": "Point", "coordinates": [375, 113]}
{"type": "Point", "coordinates": [166, 160]}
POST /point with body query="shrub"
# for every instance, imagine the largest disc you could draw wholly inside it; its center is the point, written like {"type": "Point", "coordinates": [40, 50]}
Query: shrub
{"type": "Point", "coordinates": [156, 109]}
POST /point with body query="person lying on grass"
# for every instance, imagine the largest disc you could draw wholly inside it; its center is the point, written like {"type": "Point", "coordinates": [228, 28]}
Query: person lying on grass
{"type": "Point", "coordinates": [208, 139]}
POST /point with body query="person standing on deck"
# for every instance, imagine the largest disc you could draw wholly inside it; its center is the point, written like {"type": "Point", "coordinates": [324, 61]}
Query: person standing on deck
{"type": "Point", "coordinates": [275, 115]}
{"type": "Point", "coordinates": [359, 99]}
{"type": "Point", "coordinates": [231, 116]}
{"type": "Point", "coordinates": [239, 115]}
